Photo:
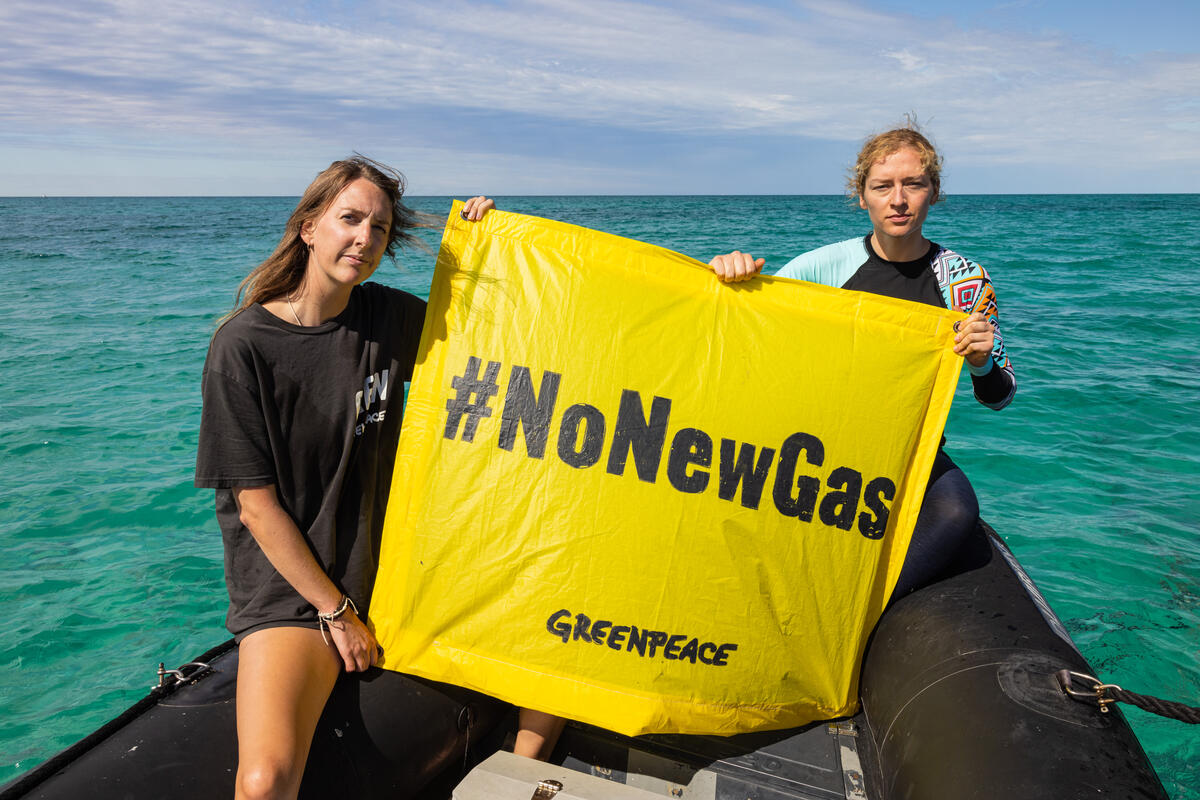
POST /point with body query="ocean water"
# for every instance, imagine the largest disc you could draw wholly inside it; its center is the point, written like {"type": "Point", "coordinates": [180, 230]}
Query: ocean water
{"type": "Point", "coordinates": [113, 560]}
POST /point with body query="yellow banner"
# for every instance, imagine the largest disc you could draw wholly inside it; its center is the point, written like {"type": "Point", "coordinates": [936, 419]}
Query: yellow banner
{"type": "Point", "coordinates": [633, 496]}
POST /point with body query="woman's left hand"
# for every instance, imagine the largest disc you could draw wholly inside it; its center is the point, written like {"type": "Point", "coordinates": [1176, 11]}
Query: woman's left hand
{"type": "Point", "coordinates": [474, 209]}
{"type": "Point", "coordinates": [355, 642]}
{"type": "Point", "coordinates": [975, 339]}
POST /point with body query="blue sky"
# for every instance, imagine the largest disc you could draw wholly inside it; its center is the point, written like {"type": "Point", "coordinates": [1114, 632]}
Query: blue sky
{"type": "Point", "coordinates": [116, 97]}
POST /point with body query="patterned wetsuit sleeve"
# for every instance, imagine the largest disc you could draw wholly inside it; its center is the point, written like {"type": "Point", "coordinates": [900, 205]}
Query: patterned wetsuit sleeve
{"type": "Point", "coordinates": [967, 287]}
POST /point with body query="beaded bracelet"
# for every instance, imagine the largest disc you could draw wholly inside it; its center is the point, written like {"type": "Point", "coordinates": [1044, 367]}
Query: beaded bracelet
{"type": "Point", "coordinates": [336, 614]}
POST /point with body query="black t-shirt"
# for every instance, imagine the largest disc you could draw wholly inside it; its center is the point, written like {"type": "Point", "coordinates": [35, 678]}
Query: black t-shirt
{"type": "Point", "coordinates": [315, 411]}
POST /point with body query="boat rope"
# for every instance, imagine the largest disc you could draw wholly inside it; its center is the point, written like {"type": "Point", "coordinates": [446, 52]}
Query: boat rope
{"type": "Point", "coordinates": [1106, 694]}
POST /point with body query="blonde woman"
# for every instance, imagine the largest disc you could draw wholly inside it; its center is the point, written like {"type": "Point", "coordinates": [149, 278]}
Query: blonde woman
{"type": "Point", "coordinates": [896, 179]}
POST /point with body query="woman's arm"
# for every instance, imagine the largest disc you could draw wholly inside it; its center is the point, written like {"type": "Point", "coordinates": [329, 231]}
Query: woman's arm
{"type": "Point", "coordinates": [993, 381]}
{"type": "Point", "coordinates": [284, 546]}
{"type": "Point", "coordinates": [981, 344]}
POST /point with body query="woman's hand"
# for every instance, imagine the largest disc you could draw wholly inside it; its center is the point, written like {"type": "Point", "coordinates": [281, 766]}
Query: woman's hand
{"type": "Point", "coordinates": [474, 209]}
{"type": "Point", "coordinates": [736, 266]}
{"type": "Point", "coordinates": [354, 641]}
{"type": "Point", "coordinates": [975, 339]}
{"type": "Point", "coordinates": [283, 545]}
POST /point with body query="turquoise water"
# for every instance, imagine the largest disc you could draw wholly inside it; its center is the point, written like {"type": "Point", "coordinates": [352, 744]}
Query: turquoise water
{"type": "Point", "coordinates": [113, 560]}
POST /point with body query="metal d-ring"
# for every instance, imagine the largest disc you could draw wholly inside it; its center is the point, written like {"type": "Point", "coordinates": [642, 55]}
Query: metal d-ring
{"type": "Point", "coordinates": [179, 674]}
{"type": "Point", "coordinates": [1095, 691]}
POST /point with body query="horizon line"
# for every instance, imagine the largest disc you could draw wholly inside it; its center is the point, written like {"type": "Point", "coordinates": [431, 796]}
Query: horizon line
{"type": "Point", "coordinates": [580, 194]}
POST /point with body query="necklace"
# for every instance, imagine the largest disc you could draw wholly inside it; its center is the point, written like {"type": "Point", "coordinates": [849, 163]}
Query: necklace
{"type": "Point", "coordinates": [293, 308]}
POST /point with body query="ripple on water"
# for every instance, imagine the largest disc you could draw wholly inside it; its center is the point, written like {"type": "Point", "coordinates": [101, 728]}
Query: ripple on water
{"type": "Point", "coordinates": [1090, 475]}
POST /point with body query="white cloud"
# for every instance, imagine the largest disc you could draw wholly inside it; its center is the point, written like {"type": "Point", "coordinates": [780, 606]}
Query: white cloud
{"type": "Point", "coordinates": [237, 74]}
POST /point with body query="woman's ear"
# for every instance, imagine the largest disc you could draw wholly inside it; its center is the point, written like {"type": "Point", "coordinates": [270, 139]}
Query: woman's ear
{"type": "Point", "coordinates": [306, 229]}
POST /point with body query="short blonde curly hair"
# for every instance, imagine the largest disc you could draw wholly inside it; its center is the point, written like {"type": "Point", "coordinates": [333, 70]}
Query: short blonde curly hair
{"type": "Point", "coordinates": [882, 145]}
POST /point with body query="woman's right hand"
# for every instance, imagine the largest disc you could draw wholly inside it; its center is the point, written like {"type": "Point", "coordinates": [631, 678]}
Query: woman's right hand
{"type": "Point", "coordinates": [736, 266]}
{"type": "Point", "coordinates": [354, 641]}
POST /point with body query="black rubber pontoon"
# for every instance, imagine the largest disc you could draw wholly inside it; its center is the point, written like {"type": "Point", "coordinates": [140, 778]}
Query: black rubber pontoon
{"type": "Point", "coordinates": [958, 697]}
{"type": "Point", "coordinates": [381, 735]}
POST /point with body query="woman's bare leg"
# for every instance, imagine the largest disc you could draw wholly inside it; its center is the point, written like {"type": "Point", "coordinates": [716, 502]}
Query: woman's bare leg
{"type": "Point", "coordinates": [538, 733]}
{"type": "Point", "coordinates": [285, 676]}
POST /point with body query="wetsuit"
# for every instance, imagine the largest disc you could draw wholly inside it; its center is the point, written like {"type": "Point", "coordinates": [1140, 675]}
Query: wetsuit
{"type": "Point", "coordinates": [946, 279]}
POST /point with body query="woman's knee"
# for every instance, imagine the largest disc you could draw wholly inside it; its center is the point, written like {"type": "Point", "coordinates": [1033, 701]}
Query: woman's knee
{"type": "Point", "coordinates": [951, 500]}
{"type": "Point", "coordinates": [964, 506]}
{"type": "Point", "coordinates": [268, 779]}
{"type": "Point", "coordinates": [284, 678]}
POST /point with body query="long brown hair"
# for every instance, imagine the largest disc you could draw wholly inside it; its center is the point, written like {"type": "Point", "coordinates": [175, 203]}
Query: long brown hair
{"type": "Point", "coordinates": [283, 271]}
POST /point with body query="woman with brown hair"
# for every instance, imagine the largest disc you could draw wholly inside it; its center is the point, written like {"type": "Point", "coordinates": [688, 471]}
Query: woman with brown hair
{"type": "Point", "coordinates": [896, 178]}
{"type": "Point", "coordinates": [303, 396]}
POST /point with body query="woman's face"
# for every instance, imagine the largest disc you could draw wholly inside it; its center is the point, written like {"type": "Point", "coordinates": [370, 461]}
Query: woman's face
{"type": "Point", "coordinates": [347, 241]}
{"type": "Point", "coordinates": [897, 195]}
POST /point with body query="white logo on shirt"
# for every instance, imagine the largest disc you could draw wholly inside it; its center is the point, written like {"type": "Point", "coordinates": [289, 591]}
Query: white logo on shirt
{"type": "Point", "coordinates": [375, 388]}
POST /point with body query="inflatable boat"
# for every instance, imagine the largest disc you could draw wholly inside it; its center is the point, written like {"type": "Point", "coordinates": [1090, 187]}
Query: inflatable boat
{"type": "Point", "coordinates": [959, 700]}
